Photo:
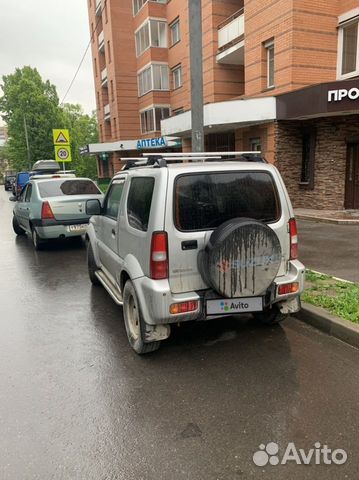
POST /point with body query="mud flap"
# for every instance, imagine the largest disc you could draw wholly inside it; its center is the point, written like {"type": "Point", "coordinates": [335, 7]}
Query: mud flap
{"type": "Point", "coordinates": [290, 306]}
{"type": "Point", "coordinates": [156, 333]}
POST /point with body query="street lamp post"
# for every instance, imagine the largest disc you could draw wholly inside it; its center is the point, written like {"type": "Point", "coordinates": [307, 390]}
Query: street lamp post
{"type": "Point", "coordinates": [195, 36]}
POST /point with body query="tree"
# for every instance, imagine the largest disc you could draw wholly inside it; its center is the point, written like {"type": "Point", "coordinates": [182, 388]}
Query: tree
{"type": "Point", "coordinates": [83, 130]}
{"type": "Point", "coordinates": [27, 98]}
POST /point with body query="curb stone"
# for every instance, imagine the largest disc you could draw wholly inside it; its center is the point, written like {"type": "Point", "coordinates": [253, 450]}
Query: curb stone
{"type": "Point", "coordinates": [337, 221]}
{"type": "Point", "coordinates": [334, 326]}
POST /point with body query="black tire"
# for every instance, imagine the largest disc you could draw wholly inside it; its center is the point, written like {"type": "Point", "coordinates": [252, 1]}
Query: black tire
{"type": "Point", "coordinates": [134, 323]}
{"type": "Point", "coordinates": [272, 316]}
{"type": "Point", "coordinates": [241, 259]}
{"type": "Point", "coordinates": [91, 266]}
{"type": "Point", "coordinates": [37, 241]}
{"type": "Point", "coordinates": [17, 229]}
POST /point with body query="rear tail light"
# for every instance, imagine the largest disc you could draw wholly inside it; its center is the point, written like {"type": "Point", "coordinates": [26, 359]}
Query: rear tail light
{"type": "Point", "coordinates": [46, 212]}
{"type": "Point", "coordinates": [184, 307]}
{"type": "Point", "coordinates": [293, 239]}
{"type": "Point", "coordinates": [287, 288]}
{"type": "Point", "coordinates": [159, 256]}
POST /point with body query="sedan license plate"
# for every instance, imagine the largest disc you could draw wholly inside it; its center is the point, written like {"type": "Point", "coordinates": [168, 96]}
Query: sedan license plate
{"type": "Point", "coordinates": [234, 305]}
{"type": "Point", "coordinates": [77, 228]}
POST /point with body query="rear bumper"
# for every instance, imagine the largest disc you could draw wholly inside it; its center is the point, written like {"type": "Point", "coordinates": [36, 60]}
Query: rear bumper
{"type": "Point", "coordinates": [48, 229]}
{"type": "Point", "coordinates": [155, 297]}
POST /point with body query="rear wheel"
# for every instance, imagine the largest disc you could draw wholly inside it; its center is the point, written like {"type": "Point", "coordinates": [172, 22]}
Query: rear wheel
{"type": "Point", "coordinates": [134, 323]}
{"type": "Point", "coordinates": [37, 241]}
{"type": "Point", "coordinates": [270, 317]}
{"type": "Point", "coordinates": [17, 229]}
{"type": "Point", "coordinates": [91, 265]}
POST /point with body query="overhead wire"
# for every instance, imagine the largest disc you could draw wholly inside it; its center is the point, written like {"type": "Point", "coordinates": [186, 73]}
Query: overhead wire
{"type": "Point", "coordinates": [85, 53]}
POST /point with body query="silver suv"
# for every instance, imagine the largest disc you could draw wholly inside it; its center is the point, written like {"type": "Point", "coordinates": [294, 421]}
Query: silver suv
{"type": "Point", "coordinates": [195, 237]}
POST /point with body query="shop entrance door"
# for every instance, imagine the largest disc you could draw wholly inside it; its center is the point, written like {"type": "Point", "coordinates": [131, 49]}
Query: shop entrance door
{"type": "Point", "coordinates": [352, 177]}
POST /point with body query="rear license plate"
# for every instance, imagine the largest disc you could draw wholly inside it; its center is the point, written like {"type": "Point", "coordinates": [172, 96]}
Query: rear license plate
{"type": "Point", "coordinates": [234, 305]}
{"type": "Point", "coordinates": [77, 228]}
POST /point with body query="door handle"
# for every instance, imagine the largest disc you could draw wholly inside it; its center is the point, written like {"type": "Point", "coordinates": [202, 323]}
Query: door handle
{"type": "Point", "coordinates": [189, 245]}
{"type": "Point", "coordinates": [113, 232]}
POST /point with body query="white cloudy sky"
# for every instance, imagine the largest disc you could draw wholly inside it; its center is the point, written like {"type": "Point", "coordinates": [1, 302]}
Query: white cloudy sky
{"type": "Point", "coordinates": [52, 36]}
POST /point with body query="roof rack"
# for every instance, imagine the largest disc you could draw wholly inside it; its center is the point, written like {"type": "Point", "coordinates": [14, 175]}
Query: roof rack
{"type": "Point", "coordinates": [201, 154]}
{"type": "Point", "coordinates": [160, 160]}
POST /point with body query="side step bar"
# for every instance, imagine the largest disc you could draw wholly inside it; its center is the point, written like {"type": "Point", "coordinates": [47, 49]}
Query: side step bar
{"type": "Point", "coordinates": [108, 285]}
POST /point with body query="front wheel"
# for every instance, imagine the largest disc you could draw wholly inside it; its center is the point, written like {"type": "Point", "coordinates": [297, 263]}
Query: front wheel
{"type": "Point", "coordinates": [91, 265]}
{"type": "Point", "coordinates": [134, 323]}
{"type": "Point", "coordinates": [16, 227]}
{"type": "Point", "coordinates": [270, 317]}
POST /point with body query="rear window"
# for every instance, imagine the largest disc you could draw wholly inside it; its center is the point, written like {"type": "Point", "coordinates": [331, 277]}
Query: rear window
{"type": "Point", "coordinates": [139, 202]}
{"type": "Point", "coordinates": [57, 188]}
{"type": "Point", "coordinates": [205, 201]}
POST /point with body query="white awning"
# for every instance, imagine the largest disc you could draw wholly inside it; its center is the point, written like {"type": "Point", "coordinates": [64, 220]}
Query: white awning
{"type": "Point", "coordinates": [224, 115]}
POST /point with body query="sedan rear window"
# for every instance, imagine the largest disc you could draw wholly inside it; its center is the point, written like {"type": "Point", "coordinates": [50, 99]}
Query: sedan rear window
{"type": "Point", "coordinates": [205, 201]}
{"type": "Point", "coordinates": [58, 188]}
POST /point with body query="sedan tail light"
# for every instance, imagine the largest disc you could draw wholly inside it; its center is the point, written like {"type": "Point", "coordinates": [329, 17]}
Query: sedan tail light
{"type": "Point", "coordinates": [46, 212]}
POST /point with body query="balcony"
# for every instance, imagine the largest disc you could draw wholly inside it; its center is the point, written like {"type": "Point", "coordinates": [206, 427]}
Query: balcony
{"type": "Point", "coordinates": [107, 112]}
{"type": "Point", "coordinates": [101, 42]}
{"type": "Point", "coordinates": [104, 80]}
{"type": "Point", "coordinates": [231, 40]}
{"type": "Point", "coordinates": [98, 8]}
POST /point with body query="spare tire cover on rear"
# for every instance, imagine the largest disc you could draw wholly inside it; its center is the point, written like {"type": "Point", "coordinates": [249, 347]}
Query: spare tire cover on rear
{"type": "Point", "coordinates": [242, 258]}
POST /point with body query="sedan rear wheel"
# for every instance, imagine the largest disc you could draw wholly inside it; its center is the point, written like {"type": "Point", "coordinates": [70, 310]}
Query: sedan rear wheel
{"type": "Point", "coordinates": [36, 239]}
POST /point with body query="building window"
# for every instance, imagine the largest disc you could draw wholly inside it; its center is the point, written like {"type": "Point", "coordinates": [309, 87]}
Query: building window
{"type": "Point", "coordinates": [155, 77]}
{"type": "Point", "coordinates": [175, 32]}
{"type": "Point", "coordinates": [269, 47]}
{"type": "Point", "coordinates": [178, 111]}
{"type": "Point", "coordinates": [95, 66]}
{"type": "Point", "coordinates": [255, 144]}
{"type": "Point", "coordinates": [109, 51]}
{"type": "Point", "coordinates": [152, 34]}
{"type": "Point", "coordinates": [348, 50]}
{"type": "Point", "coordinates": [308, 157]}
{"type": "Point", "coordinates": [92, 33]}
{"type": "Point", "coordinates": [105, 9]}
{"type": "Point", "coordinates": [138, 4]}
{"type": "Point", "coordinates": [151, 118]}
{"type": "Point", "coordinates": [177, 77]}
{"type": "Point", "coordinates": [112, 91]}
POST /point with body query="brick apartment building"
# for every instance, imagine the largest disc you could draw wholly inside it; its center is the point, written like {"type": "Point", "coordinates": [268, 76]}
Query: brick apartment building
{"type": "Point", "coordinates": [280, 76]}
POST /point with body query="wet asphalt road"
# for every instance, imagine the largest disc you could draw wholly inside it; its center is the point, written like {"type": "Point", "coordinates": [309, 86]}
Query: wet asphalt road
{"type": "Point", "coordinates": [330, 248]}
{"type": "Point", "coordinates": [77, 403]}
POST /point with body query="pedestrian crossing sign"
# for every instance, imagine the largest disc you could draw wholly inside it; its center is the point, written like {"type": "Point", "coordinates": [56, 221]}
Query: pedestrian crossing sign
{"type": "Point", "coordinates": [61, 136]}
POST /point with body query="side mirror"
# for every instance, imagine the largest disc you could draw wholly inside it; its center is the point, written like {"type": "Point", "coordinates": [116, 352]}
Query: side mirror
{"type": "Point", "coordinates": [93, 207]}
{"type": "Point", "coordinates": [13, 199]}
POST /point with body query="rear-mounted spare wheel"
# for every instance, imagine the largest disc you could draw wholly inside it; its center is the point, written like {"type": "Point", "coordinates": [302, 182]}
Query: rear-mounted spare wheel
{"type": "Point", "coordinates": [242, 258]}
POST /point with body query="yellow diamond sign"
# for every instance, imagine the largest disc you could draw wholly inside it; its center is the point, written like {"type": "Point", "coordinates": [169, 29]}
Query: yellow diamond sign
{"type": "Point", "coordinates": [63, 153]}
{"type": "Point", "coordinates": [61, 136]}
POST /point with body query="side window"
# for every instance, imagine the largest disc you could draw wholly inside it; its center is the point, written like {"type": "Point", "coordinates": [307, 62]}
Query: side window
{"type": "Point", "coordinates": [112, 203]}
{"type": "Point", "coordinates": [22, 195]}
{"type": "Point", "coordinates": [28, 193]}
{"type": "Point", "coordinates": [139, 202]}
